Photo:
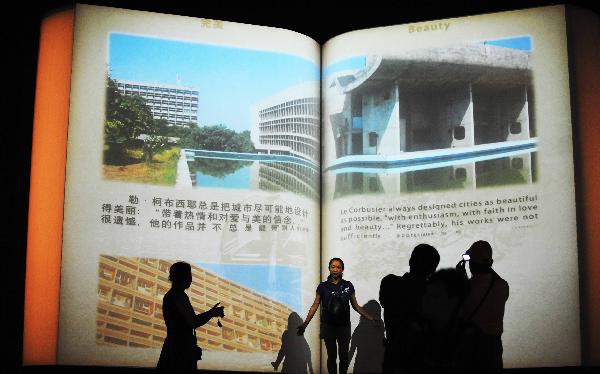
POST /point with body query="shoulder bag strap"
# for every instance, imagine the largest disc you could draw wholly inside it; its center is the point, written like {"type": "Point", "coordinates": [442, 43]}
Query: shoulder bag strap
{"type": "Point", "coordinates": [484, 297]}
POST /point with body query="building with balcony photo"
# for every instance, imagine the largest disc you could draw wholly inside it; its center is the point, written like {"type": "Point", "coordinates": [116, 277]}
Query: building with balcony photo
{"type": "Point", "coordinates": [129, 312]}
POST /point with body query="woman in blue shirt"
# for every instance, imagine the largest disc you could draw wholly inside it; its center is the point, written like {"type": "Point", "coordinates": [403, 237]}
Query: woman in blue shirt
{"type": "Point", "coordinates": [335, 296]}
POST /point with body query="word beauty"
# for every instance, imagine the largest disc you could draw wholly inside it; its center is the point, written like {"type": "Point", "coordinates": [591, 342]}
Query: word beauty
{"type": "Point", "coordinates": [440, 26]}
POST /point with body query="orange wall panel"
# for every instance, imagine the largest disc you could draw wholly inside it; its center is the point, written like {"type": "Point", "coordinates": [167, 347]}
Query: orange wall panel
{"type": "Point", "coordinates": [46, 196]}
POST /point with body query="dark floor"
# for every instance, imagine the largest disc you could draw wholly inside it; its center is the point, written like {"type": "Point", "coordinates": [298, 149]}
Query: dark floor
{"type": "Point", "coordinates": [122, 370]}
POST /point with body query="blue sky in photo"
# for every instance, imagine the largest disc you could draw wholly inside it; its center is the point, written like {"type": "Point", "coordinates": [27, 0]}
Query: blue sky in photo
{"type": "Point", "coordinates": [523, 43]}
{"type": "Point", "coordinates": [352, 63]}
{"type": "Point", "coordinates": [278, 282]}
{"type": "Point", "coordinates": [229, 80]}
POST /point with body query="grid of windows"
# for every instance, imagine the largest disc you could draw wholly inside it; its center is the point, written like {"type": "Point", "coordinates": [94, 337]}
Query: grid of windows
{"type": "Point", "coordinates": [177, 105]}
{"type": "Point", "coordinates": [300, 125]}
{"type": "Point", "coordinates": [287, 176]}
{"type": "Point", "coordinates": [299, 145]}
{"type": "Point", "coordinates": [304, 106]}
{"type": "Point", "coordinates": [292, 125]}
{"type": "Point", "coordinates": [130, 293]}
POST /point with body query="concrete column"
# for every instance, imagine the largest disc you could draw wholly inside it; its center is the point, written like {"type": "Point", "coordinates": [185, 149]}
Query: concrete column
{"type": "Point", "coordinates": [390, 182]}
{"type": "Point", "coordinates": [465, 173]}
{"type": "Point", "coordinates": [403, 183]}
{"type": "Point", "coordinates": [401, 120]}
{"type": "Point", "coordinates": [348, 124]}
{"type": "Point", "coordinates": [522, 164]}
{"type": "Point", "coordinates": [380, 121]}
{"type": "Point", "coordinates": [521, 116]}
{"type": "Point", "coordinates": [465, 119]}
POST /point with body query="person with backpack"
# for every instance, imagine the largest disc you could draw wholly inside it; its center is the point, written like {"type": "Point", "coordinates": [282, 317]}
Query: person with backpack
{"type": "Point", "coordinates": [335, 295]}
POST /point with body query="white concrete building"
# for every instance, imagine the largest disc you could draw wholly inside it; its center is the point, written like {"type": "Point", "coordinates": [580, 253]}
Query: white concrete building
{"type": "Point", "coordinates": [431, 99]}
{"type": "Point", "coordinates": [288, 122]}
{"type": "Point", "coordinates": [177, 104]}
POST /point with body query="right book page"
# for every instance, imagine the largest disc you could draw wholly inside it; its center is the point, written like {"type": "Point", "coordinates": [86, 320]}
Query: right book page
{"type": "Point", "coordinates": [448, 132]}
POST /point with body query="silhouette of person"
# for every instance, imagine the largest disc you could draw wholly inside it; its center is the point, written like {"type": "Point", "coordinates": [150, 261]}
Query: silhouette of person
{"type": "Point", "coordinates": [294, 352]}
{"type": "Point", "coordinates": [401, 299]}
{"type": "Point", "coordinates": [180, 352]}
{"type": "Point", "coordinates": [367, 342]}
{"type": "Point", "coordinates": [444, 294]}
{"type": "Point", "coordinates": [335, 295]}
{"type": "Point", "coordinates": [482, 311]}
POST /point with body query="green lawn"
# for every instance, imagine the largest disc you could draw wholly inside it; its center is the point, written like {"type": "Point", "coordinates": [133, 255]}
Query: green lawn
{"type": "Point", "coordinates": [162, 170]}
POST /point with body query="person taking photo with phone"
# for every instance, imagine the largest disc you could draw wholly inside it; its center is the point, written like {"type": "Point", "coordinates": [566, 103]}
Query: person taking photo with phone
{"type": "Point", "coordinates": [180, 351]}
{"type": "Point", "coordinates": [482, 312]}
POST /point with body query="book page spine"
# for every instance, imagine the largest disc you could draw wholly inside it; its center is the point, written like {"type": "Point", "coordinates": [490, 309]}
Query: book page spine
{"type": "Point", "coordinates": [44, 237]}
{"type": "Point", "coordinates": [585, 82]}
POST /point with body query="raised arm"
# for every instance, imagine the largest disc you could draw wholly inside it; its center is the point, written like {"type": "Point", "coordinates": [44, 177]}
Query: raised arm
{"type": "Point", "coordinates": [311, 313]}
{"type": "Point", "coordinates": [196, 320]}
{"type": "Point", "coordinates": [202, 318]}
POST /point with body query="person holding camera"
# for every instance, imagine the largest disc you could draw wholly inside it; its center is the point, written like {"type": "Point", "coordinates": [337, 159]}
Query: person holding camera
{"type": "Point", "coordinates": [482, 312]}
{"type": "Point", "coordinates": [335, 295]}
{"type": "Point", "coordinates": [180, 351]}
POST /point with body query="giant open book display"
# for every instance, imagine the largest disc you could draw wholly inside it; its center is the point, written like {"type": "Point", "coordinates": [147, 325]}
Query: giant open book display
{"type": "Point", "coordinates": [256, 155]}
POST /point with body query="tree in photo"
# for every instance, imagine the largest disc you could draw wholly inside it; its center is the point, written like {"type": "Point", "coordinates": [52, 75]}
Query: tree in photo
{"type": "Point", "coordinates": [129, 124]}
{"type": "Point", "coordinates": [152, 145]}
{"type": "Point", "coordinates": [216, 138]}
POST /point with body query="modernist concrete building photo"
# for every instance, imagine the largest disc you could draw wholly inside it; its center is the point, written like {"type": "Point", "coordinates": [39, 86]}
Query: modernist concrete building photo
{"type": "Point", "coordinates": [175, 103]}
{"type": "Point", "coordinates": [129, 312]}
{"type": "Point", "coordinates": [210, 116]}
{"type": "Point", "coordinates": [288, 123]}
{"type": "Point", "coordinates": [431, 106]}
{"type": "Point", "coordinates": [286, 176]}
{"type": "Point", "coordinates": [285, 133]}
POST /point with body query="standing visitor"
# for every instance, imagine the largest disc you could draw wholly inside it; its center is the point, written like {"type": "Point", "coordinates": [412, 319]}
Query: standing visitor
{"type": "Point", "coordinates": [401, 299]}
{"type": "Point", "coordinates": [482, 312]}
{"type": "Point", "coordinates": [335, 296]}
{"type": "Point", "coordinates": [180, 351]}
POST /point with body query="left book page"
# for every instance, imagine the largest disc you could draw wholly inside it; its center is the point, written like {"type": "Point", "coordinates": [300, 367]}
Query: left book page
{"type": "Point", "coordinates": [189, 140]}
